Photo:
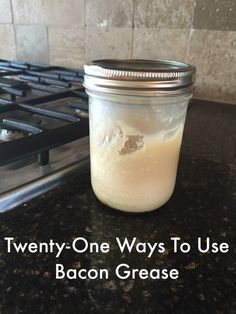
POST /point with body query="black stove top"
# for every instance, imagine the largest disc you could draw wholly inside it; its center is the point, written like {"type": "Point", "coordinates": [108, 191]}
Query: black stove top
{"type": "Point", "coordinates": [41, 107]}
{"type": "Point", "coordinates": [43, 128]}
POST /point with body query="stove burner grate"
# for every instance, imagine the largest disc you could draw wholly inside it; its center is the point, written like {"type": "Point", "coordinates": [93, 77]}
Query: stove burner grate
{"type": "Point", "coordinates": [22, 120]}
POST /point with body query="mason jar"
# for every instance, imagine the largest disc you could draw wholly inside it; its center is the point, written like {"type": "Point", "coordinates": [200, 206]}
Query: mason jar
{"type": "Point", "coordinates": [137, 110]}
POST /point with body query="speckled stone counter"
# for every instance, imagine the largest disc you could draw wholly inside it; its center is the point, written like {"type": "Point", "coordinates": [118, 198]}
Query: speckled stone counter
{"type": "Point", "coordinates": [203, 204]}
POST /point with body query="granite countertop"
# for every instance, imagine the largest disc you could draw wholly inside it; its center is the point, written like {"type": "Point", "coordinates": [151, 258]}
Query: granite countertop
{"type": "Point", "coordinates": [203, 205]}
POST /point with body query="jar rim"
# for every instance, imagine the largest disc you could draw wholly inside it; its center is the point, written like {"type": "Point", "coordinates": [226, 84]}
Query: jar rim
{"type": "Point", "coordinates": [138, 76]}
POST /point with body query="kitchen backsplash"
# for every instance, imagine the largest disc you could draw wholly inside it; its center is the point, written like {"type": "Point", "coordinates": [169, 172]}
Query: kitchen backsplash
{"type": "Point", "coordinates": [69, 32]}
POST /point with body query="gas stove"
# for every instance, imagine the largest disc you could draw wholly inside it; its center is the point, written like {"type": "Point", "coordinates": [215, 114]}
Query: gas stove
{"type": "Point", "coordinates": [43, 129]}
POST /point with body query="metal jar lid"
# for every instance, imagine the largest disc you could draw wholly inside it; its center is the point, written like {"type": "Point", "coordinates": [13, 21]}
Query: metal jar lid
{"type": "Point", "coordinates": [139, 77]}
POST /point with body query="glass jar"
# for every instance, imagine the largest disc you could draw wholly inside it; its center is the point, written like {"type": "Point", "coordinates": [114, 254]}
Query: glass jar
{"type": "Point", "coordinates": [137, 110]}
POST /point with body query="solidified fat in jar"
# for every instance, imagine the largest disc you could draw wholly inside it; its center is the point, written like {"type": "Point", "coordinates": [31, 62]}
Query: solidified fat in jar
{"type": "Point", "coordinates": [134, 172]}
